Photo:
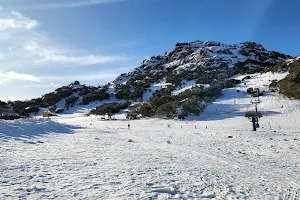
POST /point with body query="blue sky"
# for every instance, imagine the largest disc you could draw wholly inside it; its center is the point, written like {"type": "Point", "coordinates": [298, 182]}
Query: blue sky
{"type": "Point", "coordinates": [50, 43]}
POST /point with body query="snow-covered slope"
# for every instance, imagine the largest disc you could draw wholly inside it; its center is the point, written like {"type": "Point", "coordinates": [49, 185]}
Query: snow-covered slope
{"type": "Point", "coordinates": [190, 64]}
{"type": "Point", "coordinates": [233, 105]}
{"type": "Point", "coordinates": [194, 64]}
{"type": "Point", "coordinates": [213, 156]}
{"type": "Point", "coordinates": [207, 56]}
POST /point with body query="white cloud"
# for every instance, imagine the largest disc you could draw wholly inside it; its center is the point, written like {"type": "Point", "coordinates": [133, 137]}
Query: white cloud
{"type": "Point", "coordinates": [15, 20]}
{"type": "Point", "coordinates": [11, 75]}
{"type": "Point", "coordinates": [50, 85]}
{"type": "Point", "coordinates": [84, 77]}
{"type": "Point", "coordinates": [73, 4]}
{"type": "Point", "coordinates": [44, 54]}
{"type": "Point", "coordinates": [25, 48]}
{"type": "Point", "coordinates": [79, 60]}
{"type": "Point", "coordinates": [22, 44]}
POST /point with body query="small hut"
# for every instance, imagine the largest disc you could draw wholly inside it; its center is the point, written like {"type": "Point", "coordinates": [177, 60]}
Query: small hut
{"type": "Point", "coordinates": [45, 114]}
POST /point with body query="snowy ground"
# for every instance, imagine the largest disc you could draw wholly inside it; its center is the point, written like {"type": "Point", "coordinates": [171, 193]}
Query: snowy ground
{"type": "Point", "coordinates": [86, 158]}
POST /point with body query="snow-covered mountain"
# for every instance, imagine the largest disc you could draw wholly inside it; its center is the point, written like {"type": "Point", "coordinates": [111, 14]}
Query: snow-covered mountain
{"type": "Point", "coordinates": [207, 56]}
{"type": "Point", "coordinates": [175, 77]}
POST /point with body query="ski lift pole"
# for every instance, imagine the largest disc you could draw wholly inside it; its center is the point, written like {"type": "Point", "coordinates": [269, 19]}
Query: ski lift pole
{"type": "Point", "coordinates": [255, 107]}
{"type": "Point", "coordinates": [254, 118]}
{"type": "Point", "coordinates": [253, 123]}
{"type": "Point", "coordinates": [257, 124]}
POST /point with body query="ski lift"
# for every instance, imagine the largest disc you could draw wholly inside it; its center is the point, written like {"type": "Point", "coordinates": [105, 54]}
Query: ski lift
{"type": "Point", "coordinates": [254, 118]}
{"type": "Point", "coordinates": [253, 101]}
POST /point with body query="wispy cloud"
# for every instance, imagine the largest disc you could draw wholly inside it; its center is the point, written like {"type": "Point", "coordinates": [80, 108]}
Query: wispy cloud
{"type": "Point", "coordinates": [50, 85]}
{"type": "Point", "coordinates": [12, 75]}
{"type": "Point", "coordinates": [103, 76]}
{"type": "Point", "coordinates": [22, 44]}
{"type": "Point", "coordinates": [15, 20]}
{"type": "Point", "coordinates": [26, 50]}
{"type": "Point", "coordinates": [46, 54]}
{"type": "Point", "coordinates": [72, 4]}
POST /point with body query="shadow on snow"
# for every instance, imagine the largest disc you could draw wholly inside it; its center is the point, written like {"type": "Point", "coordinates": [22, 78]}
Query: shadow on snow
{"type": "Point", "coordinates": [225, 111]}
{"type": "Point", "coordinates": [27, 129]}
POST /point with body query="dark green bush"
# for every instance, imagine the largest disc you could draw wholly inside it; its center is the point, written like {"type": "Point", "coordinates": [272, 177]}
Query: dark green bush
{"type": "Point", "coordinates": [280, 67]}
{"type": "Point", "coordinates": [250, 90]}
{"type": "Point", "coordinates": [54, 97]}
{"type": "Point", "coordinates": [123, 91]}
{"type": "Point", "coordinates": [3, 104]}
{"type": "Point", "coordinates": [244, 52]}
{"type": "Point", "coordinates": [255, 92]}
{"type": "Point", "coordinates": [274, 86]}
{"type": "Point", "coordinates": [290, 85]}
{"type": "Point", "coordinates": [84, 91]}
{"type": "Point", "coordinates": [144, 109]}
{"type": "Point", "coordinates": [158, 100]}
{"type": "Point", "coordinates": [109, 108]}
{"type": "Point", "coordinates": [246, 77]}
{"type": "Point", "coordinates": [71, 101]}
{"type": "Point", "coordinates": [24, 108]}
{"type": "Point", "coordinates": [192, 105]}
{"type": "Point", "coordinates": [167, 110]}
{"type": "Point", "coordinates": [59, 110]}
{"type": "Point", "coordinates": [231, 83]}
{"type": "Point", "coordinates": [76, 83]}
{"type": "Point", "coordinates": [94, 96]}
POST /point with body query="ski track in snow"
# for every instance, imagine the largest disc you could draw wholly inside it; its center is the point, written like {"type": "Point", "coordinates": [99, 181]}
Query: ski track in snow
{"type": "Point", "coordinates": [85, 158]}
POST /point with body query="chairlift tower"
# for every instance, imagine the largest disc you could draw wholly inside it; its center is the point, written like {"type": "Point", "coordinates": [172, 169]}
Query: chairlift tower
{"type": "Point", "coordinates": [256, 101]}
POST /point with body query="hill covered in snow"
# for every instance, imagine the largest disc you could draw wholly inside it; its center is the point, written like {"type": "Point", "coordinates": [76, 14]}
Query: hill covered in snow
{"type": "Point", "coordinates": [180, 82]}
{"type": "Point", "coordinates": [215, 155]}
{"type": "Point", "coordinates": [289, 86]}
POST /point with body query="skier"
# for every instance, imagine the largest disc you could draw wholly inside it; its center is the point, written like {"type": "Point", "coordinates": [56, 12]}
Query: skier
{"type": "Point", "coordinates": [128, 126]}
